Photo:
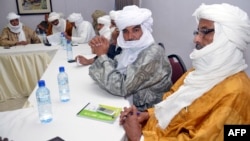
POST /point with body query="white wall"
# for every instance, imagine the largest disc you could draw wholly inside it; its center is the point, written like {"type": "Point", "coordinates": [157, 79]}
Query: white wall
{"type": "Point", "coordinates": [173, 21]}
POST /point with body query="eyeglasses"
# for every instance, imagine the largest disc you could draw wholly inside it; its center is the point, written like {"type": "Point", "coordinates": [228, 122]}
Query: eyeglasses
{"type": "Point", "coordinates": [203, 32]}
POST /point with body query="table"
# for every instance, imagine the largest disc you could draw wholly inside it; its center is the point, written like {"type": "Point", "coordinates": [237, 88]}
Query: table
{"type": "Point", "coordinates": [24, 125]}
{"type": "Point", "coordinates": [21, 67]}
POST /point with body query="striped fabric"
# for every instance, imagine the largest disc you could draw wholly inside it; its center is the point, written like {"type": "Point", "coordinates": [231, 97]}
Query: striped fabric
{"type": "Point", "coordinates": [119, 4]}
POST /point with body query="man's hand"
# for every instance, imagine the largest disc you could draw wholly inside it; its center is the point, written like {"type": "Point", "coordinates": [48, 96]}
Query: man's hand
{"type": "Point", "coordinates": [84, 61]}
{"type": "Point", "coordinates": [99, 45]}
{"type": "Point", "coordinates": [22, 43]}
{"type": "Point", "coordinates": [67, 36]}
{"type": "Point", "coordinates": [141, 116]}
{"type": "Point", "coordinates": [129, 121]}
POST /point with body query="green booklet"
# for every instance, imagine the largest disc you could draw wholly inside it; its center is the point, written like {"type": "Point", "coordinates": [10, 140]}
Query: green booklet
{"type": "Point", "coordinates": [101, 112]}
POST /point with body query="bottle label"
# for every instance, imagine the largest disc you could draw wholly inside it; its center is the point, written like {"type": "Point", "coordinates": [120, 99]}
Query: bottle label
{"type": "Point", "coordinates": [44, 99]}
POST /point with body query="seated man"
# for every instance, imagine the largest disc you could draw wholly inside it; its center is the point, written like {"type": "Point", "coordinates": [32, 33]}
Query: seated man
{"type": "Point", "coordinates": [95, 15]}
{"type": "Point", "coordinates": [58, 24]}
{"type": "Point", "coordinates": [42, 27]}
{"type": "Point", "coordinates": [103, 26]}
{"type": "Point", "coordinates": [113, 48]}
{"type": "Point", "coordinates": [142, 72]}
{"type": "Point", "coordinates": [215, 93]}
{"type": "Point", "coordinates": [16, 33]}
{"type": "Point", "coordinates": [115, 31]}
{"type": "Point", "coordinates": [82, 31]}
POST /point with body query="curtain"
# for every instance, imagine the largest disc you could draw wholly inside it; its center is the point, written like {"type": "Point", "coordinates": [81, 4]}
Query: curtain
{"type": "Point", "coordinates": [119, 4]}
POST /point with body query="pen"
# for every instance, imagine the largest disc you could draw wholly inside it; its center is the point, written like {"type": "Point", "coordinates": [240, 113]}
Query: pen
{"type": "Point", "coordinates": [83, 108]}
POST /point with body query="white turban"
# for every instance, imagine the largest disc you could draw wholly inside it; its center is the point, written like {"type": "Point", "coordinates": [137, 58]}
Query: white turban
{"type": "Point", "coordinates": [105, 20]}
{"type": "Point", "coordinates": [234, 21]}
{"type": "Point", "coordinates": [105, 30]}
{"type": "Point", "coordinates": [53, 16]}
{"type": "Point", "coordinates": [113, 14]}
{"type": "Point", "coordinates": [12, 16]}
{"type": "Point", "coordinates": [76, 18]}
{"type": "Point", "coordinates": [133, 15]}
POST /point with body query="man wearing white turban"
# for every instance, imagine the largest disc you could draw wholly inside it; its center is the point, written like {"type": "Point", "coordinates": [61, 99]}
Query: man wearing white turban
{"type": "Point", "coordinates": [214, 93]}
{"type": "Point", "coordinates": [82, 30]}
{"type": "Point", "coordinates": [103, 26]}
{"type": "Point", "coordinates": [16, 33]}
{"type": "Point", "coordinates": [113, 48]}
{"type": "Point", "coordinates": [142, 72]}
{"type": "Point", "coordinates": [95, 15]}
{"type": "Point", "coordinates": [58, 24]}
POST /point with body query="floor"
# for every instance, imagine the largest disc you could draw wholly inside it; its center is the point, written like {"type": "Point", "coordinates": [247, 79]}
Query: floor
{"type": "Point", "coordinates": [12, 104]}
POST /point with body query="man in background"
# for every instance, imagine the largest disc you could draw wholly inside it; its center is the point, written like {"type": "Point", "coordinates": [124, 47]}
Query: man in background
{"type": "Point", "coordinates": [215, 93]}
{"type": "Point", "coordinates": [58, 24]}
{"type": "Point", "coordinates": [95, 15]}
{"type": "Point", "coordinates": [104, 28]}
{"type": "Point", "coordinates": [42, 27]}
{"type": "Point", "coordinates": [82, 30]}
{"type": "Point", "coordinates": [16, 33]}
{"type": "Point", "coordinates": [142, 72]}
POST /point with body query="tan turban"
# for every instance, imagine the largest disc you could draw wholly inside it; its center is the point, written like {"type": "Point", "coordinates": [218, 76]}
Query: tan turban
{"type": "Point", "coordinates": [12, 16]}
{"type": "Point", "coordinates": [76, 18]}
{"type": "Point", "coordinates": [234, 21]}
{"type": "Point", "coordinates": [133, 15]}
{"type": "Point", "coordinates": [53, 16]}
{"type": "Point", "coordinates": [98, 13]}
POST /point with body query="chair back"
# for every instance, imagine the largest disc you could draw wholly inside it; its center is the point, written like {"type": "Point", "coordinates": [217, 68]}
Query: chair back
{"type": "Point", "coordinates": [178, 67]}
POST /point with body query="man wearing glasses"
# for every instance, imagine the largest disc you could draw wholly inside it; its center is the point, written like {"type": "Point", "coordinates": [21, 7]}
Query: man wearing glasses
{"type": "Point", "coordinates": [215, 93]}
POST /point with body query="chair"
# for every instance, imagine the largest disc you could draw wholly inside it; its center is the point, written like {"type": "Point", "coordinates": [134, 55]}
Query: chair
{"type": "Point", "coordinates": [162, 45]}
{"type": "Point", "coordinates": [178, 67]}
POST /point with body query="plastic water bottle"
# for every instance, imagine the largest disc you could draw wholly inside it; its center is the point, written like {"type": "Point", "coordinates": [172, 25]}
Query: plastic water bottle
{"type": "Point", "coordinates": [44, 38]}
{"type": "Point", "coordinates": [44, 102]}
{"type": "Point", "coordinates": [63, 41]}
{"type": "Point", "coordinates": [37, 31]}
{"type": "Point", "coordinates": [63, 85]}
{"type": "Point", "coordinates": [69, 50]}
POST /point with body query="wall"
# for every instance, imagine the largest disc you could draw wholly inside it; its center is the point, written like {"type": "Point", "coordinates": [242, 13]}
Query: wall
{"type": "Point", "coordinates": [173, 21]}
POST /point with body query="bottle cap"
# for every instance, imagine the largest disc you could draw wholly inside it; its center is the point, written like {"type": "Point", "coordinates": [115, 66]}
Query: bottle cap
{"type": "Point", "coordinates": [41, 83]}
{"type": "Point", "coordinates": [68, 41]}
{"type": "Point", "coordinates": [61, 69]}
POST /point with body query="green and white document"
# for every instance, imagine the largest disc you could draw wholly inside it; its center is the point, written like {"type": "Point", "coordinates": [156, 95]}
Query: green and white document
{"type": "Point", "coordinates": [91, 110]}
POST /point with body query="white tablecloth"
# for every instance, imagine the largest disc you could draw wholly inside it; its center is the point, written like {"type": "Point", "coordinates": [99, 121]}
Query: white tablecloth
{"type": "Point", "coordinates": [24, 125]}
{"type": "Point", "coordinates": [21, 67]}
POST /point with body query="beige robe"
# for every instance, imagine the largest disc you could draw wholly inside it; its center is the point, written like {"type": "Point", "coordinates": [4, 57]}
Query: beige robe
{"type": "Point", "coordinates": [9, 38]}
